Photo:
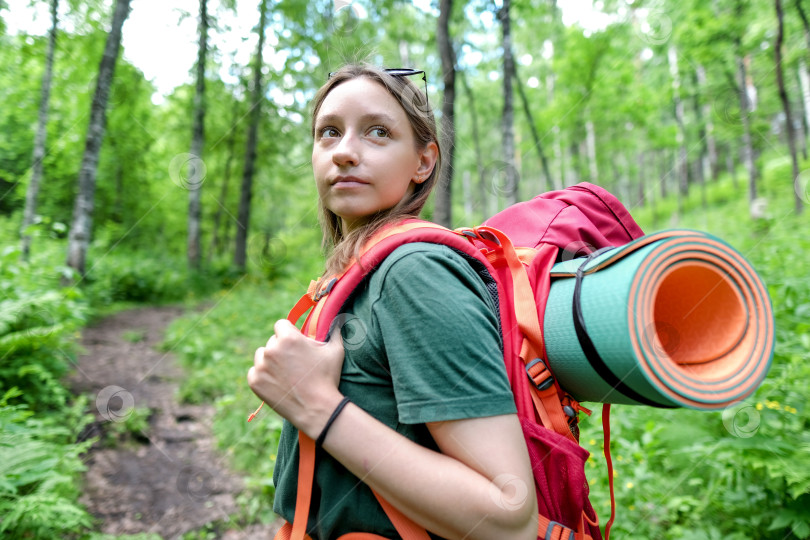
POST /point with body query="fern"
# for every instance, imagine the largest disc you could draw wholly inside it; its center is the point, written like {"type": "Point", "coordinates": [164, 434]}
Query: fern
{"type": "Point", "coordinates": [39, 466]}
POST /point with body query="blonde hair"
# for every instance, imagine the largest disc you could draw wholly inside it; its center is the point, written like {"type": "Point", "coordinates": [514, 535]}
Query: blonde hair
{"type": "Point", "coordinates": [341, 247]}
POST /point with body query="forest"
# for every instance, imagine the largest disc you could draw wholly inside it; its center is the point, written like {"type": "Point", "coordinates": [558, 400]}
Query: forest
{"type": "Point", "coordinates": [117, 194]}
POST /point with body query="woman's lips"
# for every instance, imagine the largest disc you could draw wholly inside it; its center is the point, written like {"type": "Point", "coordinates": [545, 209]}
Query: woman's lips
{"type": "Point", "coordinates": [348, 181]}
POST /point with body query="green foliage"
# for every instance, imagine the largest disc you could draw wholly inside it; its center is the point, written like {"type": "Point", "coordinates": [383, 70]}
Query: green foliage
{"type": "Point", "coordinates": [39, 468]}
{"type": "Point", "coordinates": [38, 320]}
{"type": "Point", "coordinates": [143, 536]}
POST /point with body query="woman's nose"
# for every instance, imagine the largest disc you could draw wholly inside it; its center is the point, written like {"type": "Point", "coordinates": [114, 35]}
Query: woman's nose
{"type": "Point", "coordinates": [346, 151]}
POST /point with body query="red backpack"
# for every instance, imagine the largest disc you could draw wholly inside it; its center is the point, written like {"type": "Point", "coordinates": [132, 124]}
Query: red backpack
{"type": "Point", "coordinates": [516, 249]}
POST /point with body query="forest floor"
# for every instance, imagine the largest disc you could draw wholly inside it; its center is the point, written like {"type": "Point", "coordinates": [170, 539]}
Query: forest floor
{"type": "Point", "coordinates": [154, 470]}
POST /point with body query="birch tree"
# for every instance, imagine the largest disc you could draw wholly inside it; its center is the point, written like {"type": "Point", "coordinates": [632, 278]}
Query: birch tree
{"type": "Point", "coordinates": [442, 213]}
{"type": "Point", "coordinates": [39, 142]}
{"type": "Point", "coordinates": [82, 223]}
{"type": "Point", "coordinates": [508, 117]}
{"type": "Point", "coordinates": [240, 254]}
{"type": "Point", "coordinates": [197, 142]}
{"type": "Point", "coordinates": [780, 84]}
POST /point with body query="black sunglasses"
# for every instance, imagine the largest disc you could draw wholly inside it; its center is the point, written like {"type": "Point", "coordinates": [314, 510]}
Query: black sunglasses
{"type": "Point", "coordinates": [403, 72]}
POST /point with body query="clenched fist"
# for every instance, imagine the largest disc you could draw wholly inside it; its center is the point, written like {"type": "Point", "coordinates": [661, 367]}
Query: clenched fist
{"type": "Point", "coordinates": [298, 376]}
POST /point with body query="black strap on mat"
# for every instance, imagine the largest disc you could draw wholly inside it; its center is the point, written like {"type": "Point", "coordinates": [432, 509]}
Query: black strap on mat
{"type": "Point", "coordinates": [599, 365]}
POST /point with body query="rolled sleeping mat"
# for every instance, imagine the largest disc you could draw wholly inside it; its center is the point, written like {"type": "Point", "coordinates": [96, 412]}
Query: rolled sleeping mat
{"type": "Point", "coordinates": [672, 319]}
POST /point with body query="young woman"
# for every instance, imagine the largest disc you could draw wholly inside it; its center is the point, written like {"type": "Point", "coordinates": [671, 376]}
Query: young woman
{"type": "Point", "coordinates": [430, 424]}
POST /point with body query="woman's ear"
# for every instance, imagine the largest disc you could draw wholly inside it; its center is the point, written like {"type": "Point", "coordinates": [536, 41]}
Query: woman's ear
{"type": "Point", "coordinates": [427, 160]}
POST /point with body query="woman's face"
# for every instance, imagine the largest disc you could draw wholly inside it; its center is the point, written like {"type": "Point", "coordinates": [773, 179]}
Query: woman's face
{"type": "Point", "coordinates": [364, 155]}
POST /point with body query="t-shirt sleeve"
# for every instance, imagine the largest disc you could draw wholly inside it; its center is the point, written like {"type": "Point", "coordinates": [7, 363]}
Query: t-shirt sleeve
{"type": "Point", "coordinates": [441, 337]}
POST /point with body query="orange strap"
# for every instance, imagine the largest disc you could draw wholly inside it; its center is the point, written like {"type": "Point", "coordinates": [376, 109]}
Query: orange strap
{"type": "Point", "coordinates": [306, 475]}
{"type": "Point", "coordinates": [285, 533]}
{"type": "Point", "coordinates": [406, 528]}
{"type": "Point", "coordinates": [547, 401]}
{"type": "Point", "coordinates": [606, 429]}
{"type": "Point", "coordinates": [552, 530]}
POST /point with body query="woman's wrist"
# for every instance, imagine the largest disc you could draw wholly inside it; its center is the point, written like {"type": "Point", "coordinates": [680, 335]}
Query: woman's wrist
{"type": "Point", "coordinates": [317, 415]}
{"type": "Point", "coordinates": [340, 406]}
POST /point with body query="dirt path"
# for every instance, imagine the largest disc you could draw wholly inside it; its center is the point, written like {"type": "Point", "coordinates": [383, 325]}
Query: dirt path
{"type": "Point", "coordinates": [165, 479]}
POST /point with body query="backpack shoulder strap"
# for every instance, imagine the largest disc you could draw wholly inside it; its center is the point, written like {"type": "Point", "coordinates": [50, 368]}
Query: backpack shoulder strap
{"type": "Point", "coordinates": [337, 290]}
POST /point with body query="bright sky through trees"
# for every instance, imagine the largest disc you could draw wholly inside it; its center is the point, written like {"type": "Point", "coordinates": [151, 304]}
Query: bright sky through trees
{"type": "Point", "coordinates": [160, 35]}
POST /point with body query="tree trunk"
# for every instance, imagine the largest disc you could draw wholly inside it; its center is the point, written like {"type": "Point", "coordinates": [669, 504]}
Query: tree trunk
{"type": "Point", "coordinates": [240, 255]}
{"type": "Point", "coordinates": [711, 142]}
{"type": "Point", "coordinates": [508, 119]}
{"type": "Point", "coordinates": [804, 84]}
{"type": "Point", "coordinates": [731, 167]}
{"type": "Point", "coordinates": [197, 143]}
{"type": "Point", "coordinates": [701, 164]}
{"type": "Point", "coordinates": [82, 223]}
{"type": "Point", "coordinates": [443, 210]}
{"type": "Point", "coordinates": [216, 237]}
{"type": "Point", "coordinates": [590, 142]}
{"type": "Point", "coordinates": [479, 162]}
{"type": "Point", "coordinates": [39, 141]}
{"type": "Point", "coordinates": [577, 172]}
{"type": "Point", "coordinates": [748, 148]}
{"type": "Point", "coordinates": [404, 55]}
{"type": "Point", "coordinates": [535, 136]}
{"type": "Point", "coordinates": [805, 22]}
{"type": "Point", "coordinates": [683, 164]}
{"type": "Point", "coordinates": [780, 83]}
{"type": "Point", "coordinates": [804, 77]}
{"type": "Point", "coordinates": [466, 190]}
{"type": "Point", "coordinates": [559, 157]}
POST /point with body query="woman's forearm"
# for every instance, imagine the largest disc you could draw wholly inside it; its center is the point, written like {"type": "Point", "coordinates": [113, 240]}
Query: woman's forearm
{"type": "Point", "coordinates": [441, 493]}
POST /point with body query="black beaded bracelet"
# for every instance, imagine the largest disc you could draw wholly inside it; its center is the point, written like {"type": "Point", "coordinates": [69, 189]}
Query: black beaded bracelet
{"type": "Point", "coordinates": [335, 413]}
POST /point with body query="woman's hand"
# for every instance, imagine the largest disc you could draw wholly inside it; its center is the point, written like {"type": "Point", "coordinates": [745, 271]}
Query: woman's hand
{"type": "Point", "coordinates": [298, 376]}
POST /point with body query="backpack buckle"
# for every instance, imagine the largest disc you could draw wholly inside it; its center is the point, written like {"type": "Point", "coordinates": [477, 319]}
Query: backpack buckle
{"type": "Point", "coordinates": [539, 376]}
{"type": "Point", "coordinates": [550, 531]}
{"type": "Point", "coordinates": [326, 290]}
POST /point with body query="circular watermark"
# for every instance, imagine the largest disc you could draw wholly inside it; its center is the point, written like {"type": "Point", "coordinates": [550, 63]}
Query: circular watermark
{"type": "Point", "coordinates": [508, 491]}
{"type": "Point", "coordinates": [187, 171]}
{"type": "Point", "coordinates": [266, 252]}
{"type": "Point", "coordinates": [656, 29]}
{"type": "Point", "coordinates": [802, 186]}
{"type": "Point", "coordinates": [115, 404]}
{"type": "Point", "coordinates": [758, 209]}
{"type": "Point", "coordinates": [44, 324]}
{"type": "Point", "coordinates": [346, 16]}
{"type": "Point", "coordinates": [414, 102]}
{"type": "Point", "coordinates": [352, 330]}
{"type": "Point", "coordinates": [741, 419]}
{"type": "Point", "coordinates": [577, 249]}
{"type": "Point", "coordinates": [727, 108]}
{"type": "Point", "coordinates": [502, 177]}
{"type": "Point", "coordinates": [665, 338]}
{"type": "Point", "coordinates": [29, 320]}
{"type": "Point", "coordinates": [195, 483]}
{"type": "Point", "coordinates": [115, 93]}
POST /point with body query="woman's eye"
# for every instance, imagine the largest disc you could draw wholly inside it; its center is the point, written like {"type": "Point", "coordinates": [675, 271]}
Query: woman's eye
{"type": "Point", "coordinates": [329, 132]}
{"type": "Point", "coordinates": [378, 132]}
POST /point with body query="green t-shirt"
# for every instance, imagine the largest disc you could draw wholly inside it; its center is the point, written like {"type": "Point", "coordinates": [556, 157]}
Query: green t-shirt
{"type": "Point", "coordinates": [422, 344]}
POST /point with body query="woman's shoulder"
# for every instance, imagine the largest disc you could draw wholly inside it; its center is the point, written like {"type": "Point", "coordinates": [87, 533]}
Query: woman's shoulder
{"type": "Point", "coordinates": [417, 258]}
{"type": "Point", "coordinates": [425, 251]}
{"type": "Point", "coordinates": [424, 268]}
